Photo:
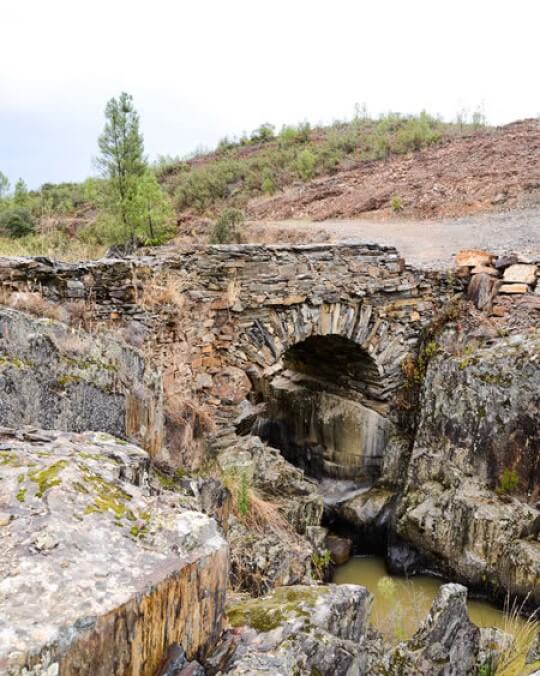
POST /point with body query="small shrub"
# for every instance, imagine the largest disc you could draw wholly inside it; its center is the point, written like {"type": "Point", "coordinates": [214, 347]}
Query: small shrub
{"type": "Point", "coordinates": [343, 139]}
{"type": "Point", "coordinates": [320, 562]}
{"type": "Point", "coordinates": [508, 482]}
{"type": "Point", "coordinates": [305, 164]}
{"type": "Point", "coordinates": [303, 132]}
{"type": "Point", "coordinates": [226, 228]}
{"type": "Point", "coordinates": [290, 134]}
{"type": "Point", "coordinates": [268, 186]}
{"type": "Point", "coordinates": [16, 223]}
{"type": "Point", "coordinates": [395, 204]}
{"type": "Point", "coordinates": [263, 134]}
{"type": "Point", "coordinates": [221, 234]}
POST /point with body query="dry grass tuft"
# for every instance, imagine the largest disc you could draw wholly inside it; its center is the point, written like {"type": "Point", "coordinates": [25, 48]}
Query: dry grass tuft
{"type": "Point", "coordinates": [73, 343]}
{"type": "Point", "coordinates": [53, 245]}
{"type": "Point", "coordinates": [32, 302]}
{"type": "Point", "coordinates": [260, 233]}
{"type": "Point", "coordinates": [74, 313]}
{"type": "Point", "coordinates": [257, 514]}
{"type": "Point", "coordinates": [511, 662]}
{"type": "Point", "coordinates": [165, 289]}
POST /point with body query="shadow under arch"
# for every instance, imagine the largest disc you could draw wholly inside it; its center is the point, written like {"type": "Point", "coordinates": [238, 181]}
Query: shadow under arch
{"type": "Point", "coordinates": [325, 410]}
{"type": "Point", "coordinates": [338, 361]}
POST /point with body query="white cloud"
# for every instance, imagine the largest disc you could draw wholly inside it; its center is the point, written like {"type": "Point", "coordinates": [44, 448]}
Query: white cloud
{"type": "Point", "coordinates": [201, 69]}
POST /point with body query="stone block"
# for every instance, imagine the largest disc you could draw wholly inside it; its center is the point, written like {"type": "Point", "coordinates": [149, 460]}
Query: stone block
{"type": "Point", "coordinates": [513, 288]}
{"type": "Point", "coordinates": [520, 273]}
{"type": "Point", "coordinates": [473, 257]}
{"type": "Point", "coordinates": [90, 552]}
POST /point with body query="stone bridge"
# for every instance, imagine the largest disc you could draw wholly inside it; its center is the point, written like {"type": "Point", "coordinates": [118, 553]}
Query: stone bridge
{"type": "Point", "coordinates": [340, 318]}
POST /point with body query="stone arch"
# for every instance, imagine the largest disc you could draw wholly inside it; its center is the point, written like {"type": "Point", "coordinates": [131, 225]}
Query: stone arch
{"type": "Point", "coordinates": [267, 338]}
{"type": "Point", "coordinates": [330, 373]}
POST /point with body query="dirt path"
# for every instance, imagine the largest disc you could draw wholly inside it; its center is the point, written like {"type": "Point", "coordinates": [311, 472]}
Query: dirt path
{"type": "Point", "coordinates": [434, 243]}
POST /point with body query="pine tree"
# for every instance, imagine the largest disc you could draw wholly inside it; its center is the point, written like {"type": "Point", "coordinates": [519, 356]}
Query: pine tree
{"type": "Point", "coordinates": [122, 158]}
{"type": "Point", "coordinates": [150, 212]}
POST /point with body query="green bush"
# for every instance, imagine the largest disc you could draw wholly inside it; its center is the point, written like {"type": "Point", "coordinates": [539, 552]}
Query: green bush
{"type": "Point", "coordinates": [221, 234]}
{"type": "Point", "coordinates": [226, 228]}
{"type": "Point", "coordinates": [263, 134]}
{"type": "Point", "coordinates": [305, 163]}
{"type": "Point", "coordinates": [291, 134]}
{"type": "Point", "coordinates": [395, 204]}
{"type": "Point", "coordinates": [201, 187]}
{"type": "Point", "coordinates": [16, 222]}
{"type": "Point", "coordinates": [268, 186]}
{"type": "Point", "coordinates": [342, 138]}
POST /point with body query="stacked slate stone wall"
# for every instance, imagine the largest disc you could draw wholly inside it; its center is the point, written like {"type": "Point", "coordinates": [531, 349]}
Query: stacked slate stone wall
{"type": "Point", "coordinates": [247, 304]}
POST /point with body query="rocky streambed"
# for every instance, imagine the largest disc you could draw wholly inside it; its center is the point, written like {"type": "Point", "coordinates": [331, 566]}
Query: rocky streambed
{"type": "Point", "coordinates": [119, 558]}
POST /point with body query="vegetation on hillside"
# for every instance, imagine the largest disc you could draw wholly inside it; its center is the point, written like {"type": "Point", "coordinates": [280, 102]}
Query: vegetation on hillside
{"type": "Point", "coordinates": [267, 161]}
{"type": "Point", "coordinates": [134, 203]}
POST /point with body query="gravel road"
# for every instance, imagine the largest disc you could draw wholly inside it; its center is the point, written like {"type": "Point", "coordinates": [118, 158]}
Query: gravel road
{"type": "Point", "coordinates": [432, 244]}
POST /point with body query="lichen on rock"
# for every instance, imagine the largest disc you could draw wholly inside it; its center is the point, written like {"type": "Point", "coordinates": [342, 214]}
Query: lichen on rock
{"type": "Point", "coordinates": [87, 546]}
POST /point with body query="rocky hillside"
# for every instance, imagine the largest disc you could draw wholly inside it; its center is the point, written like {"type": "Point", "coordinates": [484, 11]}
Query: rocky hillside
{"type": "Point", "coordinates": [488, 169]}
{"type": "Point", "coordinates": [380, 168]}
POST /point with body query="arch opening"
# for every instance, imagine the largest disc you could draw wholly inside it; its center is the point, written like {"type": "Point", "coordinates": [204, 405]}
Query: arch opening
{"type": "Point", "coordinates": [324, 409]}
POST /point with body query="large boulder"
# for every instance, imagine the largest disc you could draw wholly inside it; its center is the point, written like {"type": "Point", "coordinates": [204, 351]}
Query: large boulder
{"type": "Point", "coordinates": [100, 577]}
{"type": "Point", "coordinates": [480, 416]}
{"type": "Point", "coordinates": [59, 378]}
{"type": "Point", "coordinates": [300, 630]}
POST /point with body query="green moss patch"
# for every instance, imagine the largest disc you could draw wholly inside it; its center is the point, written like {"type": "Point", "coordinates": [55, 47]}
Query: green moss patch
{"type": "Point", "coordinates": [9, 458]}
{"type": "Point", "coordinates": [268, 613]}
{"type": "Point", "coordinates": [15, 362]}
{"type": "Point", "coordinates": [47, 478]}
{"type": "Point", "coordinates": [108, 496]}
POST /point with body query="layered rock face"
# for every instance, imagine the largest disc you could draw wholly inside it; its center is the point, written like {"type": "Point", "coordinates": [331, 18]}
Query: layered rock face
{"type": "Point", "coordinates": [474, 473]}
{"type": "Point", "coordinates": [100, 576]}
{"type": "Point", "coordinates": [54, 377]}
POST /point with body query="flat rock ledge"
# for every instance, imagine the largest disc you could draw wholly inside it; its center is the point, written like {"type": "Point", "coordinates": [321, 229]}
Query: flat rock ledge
{"type": "Point", "coordinates": [99, 576]}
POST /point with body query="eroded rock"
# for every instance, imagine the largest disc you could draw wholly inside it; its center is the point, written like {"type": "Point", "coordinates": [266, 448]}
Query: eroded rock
{"type": "Point", "coordinates": [57, 378]}
{"type": "Point", "coordinates": [474, 474]}
{"type": "Point", "coordinates": [99, 576]}
{"type": "Point", "coordinates": [446, 644]}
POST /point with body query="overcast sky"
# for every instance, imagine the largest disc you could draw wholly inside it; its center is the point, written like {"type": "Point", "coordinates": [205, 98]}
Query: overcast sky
{"type": "Point", "coordinates": [202, 69]}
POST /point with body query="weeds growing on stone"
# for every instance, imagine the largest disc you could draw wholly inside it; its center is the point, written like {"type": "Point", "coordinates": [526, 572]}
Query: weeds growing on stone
{"type": "Point", "coordinates": [508, 482]}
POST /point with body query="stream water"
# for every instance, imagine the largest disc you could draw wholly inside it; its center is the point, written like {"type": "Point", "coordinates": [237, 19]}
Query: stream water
{"type": "Point", "coordinates": [400, 604]}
